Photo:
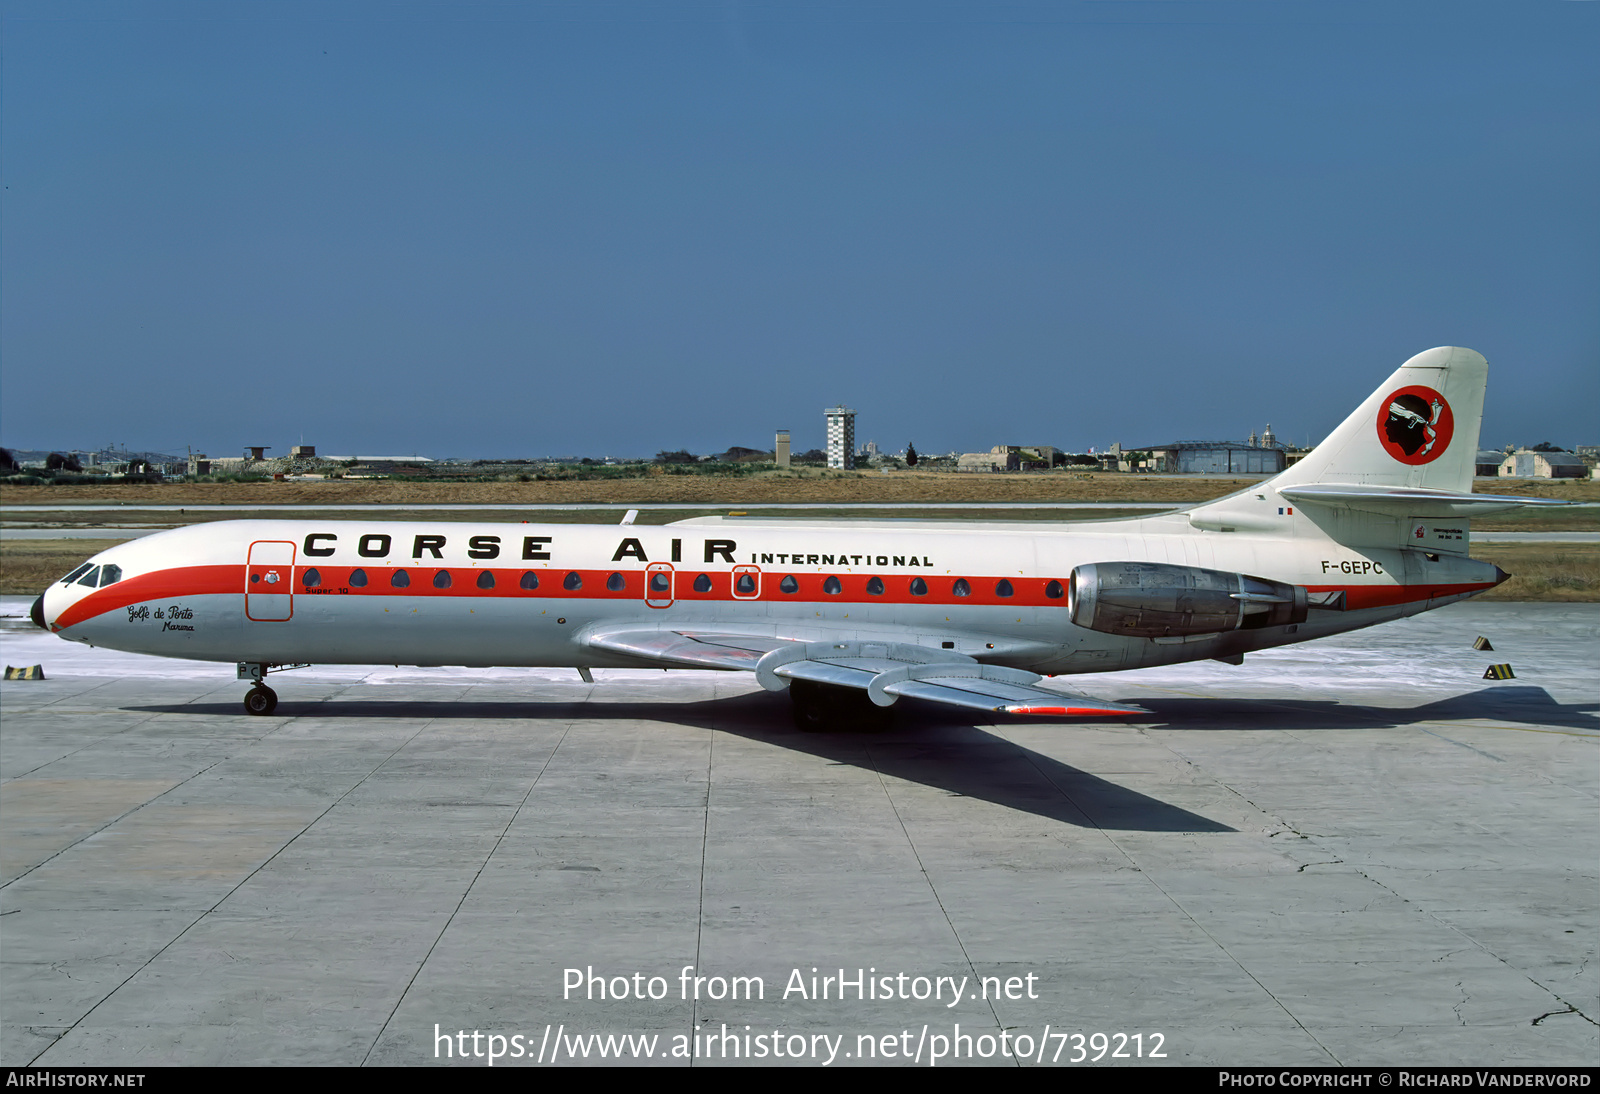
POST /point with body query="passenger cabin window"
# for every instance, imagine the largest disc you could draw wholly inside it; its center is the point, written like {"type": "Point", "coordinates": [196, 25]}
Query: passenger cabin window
{"type": "Point", "coordinates": [358, 578]}
{"type": "Point", "coordinates": [400, 579]}
{"type": "Point", "coordinates": [702, 583]}
{"type": "Point", "coordinates": [573, 580]}
{"type": "Point", "coordinates": [530, 580]}
{"type": "Point", "coordinates": [110, 575]}
{"type": "Point", "coordinates": [789, 584]}
{"type": "Point", "coordinates": [76, 574]}
{"type": "Point", "coordinates": [310, 578]}
{"type": "Point", "coordinates": [616, 583]}
{"type": "Point", "coordinates": [919, 587]}
{"type": "Point", "coordinates": [875, 586]}
{"type": "Point", "coordinates": [1054, 590]}
{"type": "Point", "coordinates": [961, 588]}
{"type": "Point", "coordinates": [486, 580]}
{"type": "Point", "coordinates": [832, 586]}
{"type": "Point", "coordinates": [1003, 588]}
{"type": "Point", "coordinates": [91, 579]}
{"type": "Point", "coordinates": [660, 583]}
{"type": "Point", "coordinates": [441, 580]}
{"type": "Point", "coordinates": [745, 584]}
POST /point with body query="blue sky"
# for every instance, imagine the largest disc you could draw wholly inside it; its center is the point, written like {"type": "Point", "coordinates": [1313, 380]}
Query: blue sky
{"type": "Point", "coordinates": [522, 229]}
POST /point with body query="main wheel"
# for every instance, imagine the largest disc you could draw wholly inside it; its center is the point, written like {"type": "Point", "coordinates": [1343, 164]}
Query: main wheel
{"type": "Point", "coordinates": [819, 708]}
{"type": "Point", "coordinates": [260, 700]}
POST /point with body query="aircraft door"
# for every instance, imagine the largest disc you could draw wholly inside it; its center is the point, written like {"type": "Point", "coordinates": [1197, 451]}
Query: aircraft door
{"type": "Point", "coordinates": [658, 591]}
{"type": "Point", "coordinates": [269, 582]}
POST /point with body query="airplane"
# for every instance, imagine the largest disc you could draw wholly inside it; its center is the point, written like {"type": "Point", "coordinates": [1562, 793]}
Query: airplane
{"type": "Point", "coordinates": [849, 616]}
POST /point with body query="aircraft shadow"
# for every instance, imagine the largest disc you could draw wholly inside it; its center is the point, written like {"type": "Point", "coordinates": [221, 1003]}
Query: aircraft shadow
{"type": "Point", "coordinates": [943, 749]}
{"type": "Point", "coordinates": [1526, 704]}
{"type": "Point", "coordinates": [932, 746]}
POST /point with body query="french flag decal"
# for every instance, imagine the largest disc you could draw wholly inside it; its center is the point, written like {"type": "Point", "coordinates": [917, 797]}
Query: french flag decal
{"type": "Point", "coordinates": [1289, 511]}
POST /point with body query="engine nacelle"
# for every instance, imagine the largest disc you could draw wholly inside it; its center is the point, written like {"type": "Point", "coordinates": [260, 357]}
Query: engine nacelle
{"type": "Point", "coordinates": [1155, 600]}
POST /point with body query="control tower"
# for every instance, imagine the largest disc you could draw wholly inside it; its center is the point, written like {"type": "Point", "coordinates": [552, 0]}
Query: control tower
{"type": "Point", "coordinates": [841, 437]}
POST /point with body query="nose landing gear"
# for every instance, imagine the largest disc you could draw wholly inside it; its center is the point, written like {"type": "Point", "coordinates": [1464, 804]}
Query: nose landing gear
{"type": "Point", "coordinates": [260, 700]}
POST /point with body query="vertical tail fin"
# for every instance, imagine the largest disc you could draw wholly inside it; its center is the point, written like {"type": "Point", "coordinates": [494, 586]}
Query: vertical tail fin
{"type": "Point", "coordinates": [1419, 429]}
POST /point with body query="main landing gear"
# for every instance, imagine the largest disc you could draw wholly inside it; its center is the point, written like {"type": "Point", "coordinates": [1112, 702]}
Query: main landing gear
{"type": "Point", "coordinates": [819, 708]}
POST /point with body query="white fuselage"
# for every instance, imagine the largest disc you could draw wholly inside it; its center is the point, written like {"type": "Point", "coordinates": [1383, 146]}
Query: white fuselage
{"type": "Point", "coordinates": [371, 592]}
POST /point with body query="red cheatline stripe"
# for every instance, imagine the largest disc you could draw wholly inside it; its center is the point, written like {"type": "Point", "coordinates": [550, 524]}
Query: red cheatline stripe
{"type": "Point", "coordinates": [335, 581]}
{"type": "Point", "coordinates": [1357, 597]}
{"type": "Point", "coordinates": [158, 585]}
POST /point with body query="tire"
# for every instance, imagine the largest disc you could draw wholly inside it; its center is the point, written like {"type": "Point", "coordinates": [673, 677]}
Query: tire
{"type": "Point", "coordinates": [819, 708]}
{"type": "Point", "coordinates": [260, 700]}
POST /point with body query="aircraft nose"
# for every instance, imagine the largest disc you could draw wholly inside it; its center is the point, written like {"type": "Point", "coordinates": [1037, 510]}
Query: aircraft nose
{"type": "Point", "coordinates": [37, 614]}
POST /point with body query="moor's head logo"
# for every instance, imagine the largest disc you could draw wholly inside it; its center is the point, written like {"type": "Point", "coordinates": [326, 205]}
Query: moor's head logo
{"type": "Point", "coordinates": [1415, 425]}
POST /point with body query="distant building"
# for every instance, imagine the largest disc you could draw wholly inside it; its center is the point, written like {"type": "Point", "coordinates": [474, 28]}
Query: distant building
{"type": "Point", "coordinates": [781, 448]}
{"type": "Point", "coordinates": [1488, 462]}
{"type": "Point", "coordinates": [256, 452]}
{"type": "Point", "coordinates": [303, 451]}
{"type": "Point", "coordinates": [1009, 457]}
{"type": "Point", "coordinates": [1216, 458]}
{"type": "Point", "coordinates": [841, 437]}
{"type": "Point", "coordinates": [1523, 464]}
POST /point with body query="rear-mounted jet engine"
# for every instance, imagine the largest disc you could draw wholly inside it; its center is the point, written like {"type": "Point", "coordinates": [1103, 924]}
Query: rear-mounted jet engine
{"type": "Point", "coordinates": [1156, 600]}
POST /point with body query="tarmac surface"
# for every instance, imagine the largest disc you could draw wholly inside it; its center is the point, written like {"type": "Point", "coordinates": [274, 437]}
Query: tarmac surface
{"type": "Point", "coordinates": [1356, 851]}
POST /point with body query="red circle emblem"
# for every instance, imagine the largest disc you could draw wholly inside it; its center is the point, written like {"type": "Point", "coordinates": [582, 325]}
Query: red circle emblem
{"type": "Point", "coordinates": [1415, 425]}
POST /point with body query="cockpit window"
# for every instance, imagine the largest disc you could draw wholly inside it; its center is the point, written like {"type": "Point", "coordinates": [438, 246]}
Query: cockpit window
{"type": "Point", "coordinates": [91, 579]}
{"type": "Point", "coordinates": [110, 575]}
{"type": "Point", "coordinates": [76, 574]}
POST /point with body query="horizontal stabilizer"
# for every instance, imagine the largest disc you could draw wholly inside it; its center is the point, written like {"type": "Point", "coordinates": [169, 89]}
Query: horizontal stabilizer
{"type": "Point", "coordinates": [1403, 501]}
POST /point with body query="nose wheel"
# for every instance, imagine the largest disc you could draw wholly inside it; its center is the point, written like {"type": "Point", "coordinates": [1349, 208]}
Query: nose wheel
{"type": "Point", "coordinates": [260, 700]}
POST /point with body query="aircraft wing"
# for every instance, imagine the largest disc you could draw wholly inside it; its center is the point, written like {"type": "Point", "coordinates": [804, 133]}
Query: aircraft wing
{"type": "Point", "coordinates": [690, 649]}
{"type": "Point", "coordinates": [886, 671]}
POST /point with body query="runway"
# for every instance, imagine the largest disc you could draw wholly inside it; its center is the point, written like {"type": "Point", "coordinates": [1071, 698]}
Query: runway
{"type": "Point", "coordinates": [1356, 851]}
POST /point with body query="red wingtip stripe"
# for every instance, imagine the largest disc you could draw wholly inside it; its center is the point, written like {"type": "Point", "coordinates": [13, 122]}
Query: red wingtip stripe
{"type": "Point", "coordinates": [1069, 712]}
